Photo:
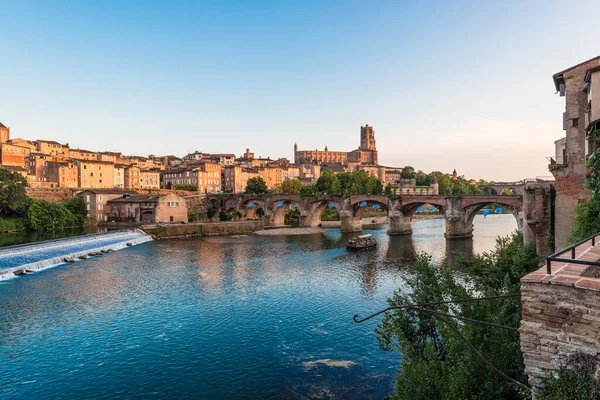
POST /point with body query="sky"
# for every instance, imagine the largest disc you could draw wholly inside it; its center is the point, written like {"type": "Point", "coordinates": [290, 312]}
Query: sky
{"type": "Point", "coordinates": [445, 84]}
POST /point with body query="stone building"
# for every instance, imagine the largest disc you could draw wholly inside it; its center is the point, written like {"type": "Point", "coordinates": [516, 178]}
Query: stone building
{"type": "Point", "coordinates": [95, 174]}
{"type": "Point", "coordinates": [235, 178]}
{"type": "Point", "coordinates": [206, 177]}
{"type": "Point", "coordinates": [95, 201]}
{"type": "Point", "coordinates": [365, 154]}
{"type": "Point", "coordinates": [80, 154]}
{"type": "Point", "coordinates": [4, 133]}
{"type": "Point", "coordinates": [309, 174]}
{"type": "Point", "coordinates": [568, 165]}
{"type": "Point", "coordinates": [14, 155]}
{"type": "Point", "coordinates": [52, 148]}
{"type": "Point", "coordinates": [148, 209]}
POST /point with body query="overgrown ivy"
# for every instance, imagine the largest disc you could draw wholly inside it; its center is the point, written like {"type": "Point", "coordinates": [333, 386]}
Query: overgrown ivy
{"type": "Point", "coordinates": [586, 221]}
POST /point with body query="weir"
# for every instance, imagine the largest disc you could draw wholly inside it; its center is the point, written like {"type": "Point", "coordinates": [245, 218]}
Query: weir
{"type": "Point", "coordinates": [46, 254]}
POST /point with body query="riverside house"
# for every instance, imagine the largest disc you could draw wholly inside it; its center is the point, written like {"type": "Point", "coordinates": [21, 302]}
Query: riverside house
{"type": "Point", "coordinates": [147, 209]}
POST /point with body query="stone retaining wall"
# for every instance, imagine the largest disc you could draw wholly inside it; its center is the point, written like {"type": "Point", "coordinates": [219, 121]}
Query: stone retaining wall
{"type": "Point", "coordinates": [203, 229]}
{"type": "Point", "coordinates": [560, 319]}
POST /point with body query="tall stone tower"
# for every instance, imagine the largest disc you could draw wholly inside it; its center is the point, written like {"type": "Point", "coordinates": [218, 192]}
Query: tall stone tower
{"type": "Point", "coordinates": [4, 133]}
{"type": "Point", "coordinates": [367, 138]}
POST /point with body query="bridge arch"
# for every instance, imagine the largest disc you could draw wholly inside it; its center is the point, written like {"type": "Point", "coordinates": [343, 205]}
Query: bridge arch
{"type": "Point", "coordinates": [251, 208]}
{"type": "Point", "coordinates": [472, 210]}
{"type": "Point", "coordinates": [314, 209]}
{"type": "Point", "coordinates": [278, 210]}
{"type": "Point", "coordinates": [360, 206]}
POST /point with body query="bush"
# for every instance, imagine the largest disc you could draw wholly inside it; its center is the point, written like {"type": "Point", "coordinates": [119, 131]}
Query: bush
{"type": "Point", "coordinates": [50, 217]}
{"type": "Point", "coordinates": [223, 216]}
{"type": "Point", "coordinates": [210, 212]}
{"type": "Point", "coordinates": [572, 385]}
{"type": "Point", "coordinates": [12, 224]}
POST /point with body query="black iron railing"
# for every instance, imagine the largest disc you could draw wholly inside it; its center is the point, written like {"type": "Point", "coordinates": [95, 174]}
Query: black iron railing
{"type": "Point", "coordinates": [573, 256]}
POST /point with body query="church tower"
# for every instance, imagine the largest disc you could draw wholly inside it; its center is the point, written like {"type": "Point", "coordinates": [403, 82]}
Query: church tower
{"type": "Point", "coordinates": [367, 138]}
{"type": "Point", "coordinates": [4, 133]}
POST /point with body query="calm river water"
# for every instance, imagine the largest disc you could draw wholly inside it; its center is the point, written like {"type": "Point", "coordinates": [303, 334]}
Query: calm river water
{"type": "Point", "coordinates": [223, 317]}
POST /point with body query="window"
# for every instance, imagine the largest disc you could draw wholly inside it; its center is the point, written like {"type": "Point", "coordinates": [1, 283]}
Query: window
{"type": "Point", "coordinates": [88, 207]}
{"type": "Point", "coordinates": [575, 122]}
{"type": "Point", "coordinates": [100, 198]}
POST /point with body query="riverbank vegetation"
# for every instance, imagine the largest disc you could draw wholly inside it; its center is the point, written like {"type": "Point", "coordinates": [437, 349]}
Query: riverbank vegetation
{"type": "Point", "coordinates": [438, 362]}
{"type": "Point", "coordinates": [586, 221]}
{"type": "Point", "coordinates": [19, 212]}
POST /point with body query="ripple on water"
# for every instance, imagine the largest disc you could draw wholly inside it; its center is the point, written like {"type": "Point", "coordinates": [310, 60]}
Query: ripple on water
{"type": "Point", "coordinates": [214, 318]}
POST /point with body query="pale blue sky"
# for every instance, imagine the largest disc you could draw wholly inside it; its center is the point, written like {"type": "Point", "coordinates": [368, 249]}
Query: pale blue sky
{"type": "Point", "coordinates": [446, 84]}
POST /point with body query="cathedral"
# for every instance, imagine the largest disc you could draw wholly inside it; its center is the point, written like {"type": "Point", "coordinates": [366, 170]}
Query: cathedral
{"type": "Point", "coordinates": [366, 154]}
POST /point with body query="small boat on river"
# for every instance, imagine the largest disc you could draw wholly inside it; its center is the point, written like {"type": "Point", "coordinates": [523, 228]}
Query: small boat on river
{"type": "Point", "coordinates": [362, 242]}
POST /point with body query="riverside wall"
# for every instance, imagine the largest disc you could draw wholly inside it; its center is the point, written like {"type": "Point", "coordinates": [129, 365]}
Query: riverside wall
{"type": "Point", "coordinates": [560, 321]}
{"type": "Point", "coordinates": [165, 231]}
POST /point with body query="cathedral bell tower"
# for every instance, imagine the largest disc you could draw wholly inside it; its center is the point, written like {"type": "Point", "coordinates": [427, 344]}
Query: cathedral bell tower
{"type": "Point", "coordinates": [367, 138]}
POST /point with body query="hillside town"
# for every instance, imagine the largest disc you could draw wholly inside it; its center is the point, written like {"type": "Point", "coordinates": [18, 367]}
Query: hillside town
{"type": "Point", "coordinates": [50, 164]}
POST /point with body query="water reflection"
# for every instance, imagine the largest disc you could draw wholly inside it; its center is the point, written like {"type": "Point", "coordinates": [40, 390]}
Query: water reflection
{"type": "Point", "coordinates": [223, 317]}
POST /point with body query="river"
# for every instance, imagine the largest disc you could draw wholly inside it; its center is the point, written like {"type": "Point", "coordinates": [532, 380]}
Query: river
{"type": "Point", "coordinates": [221, 317]}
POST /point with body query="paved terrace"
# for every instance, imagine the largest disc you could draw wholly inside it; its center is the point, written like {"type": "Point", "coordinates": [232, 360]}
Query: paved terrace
{"type": "Point", "coordinates": [560, 314]}
{"type": "Point", "coordinates": [570, 273]}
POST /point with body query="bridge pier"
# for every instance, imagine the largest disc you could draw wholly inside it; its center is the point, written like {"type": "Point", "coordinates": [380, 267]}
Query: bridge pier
{"type": "Point", "coordinates": [399, 224]}
{"type": "Point", "coordinates": [350, 224]}
{"type": "Point", "coordinates": [458, 225]}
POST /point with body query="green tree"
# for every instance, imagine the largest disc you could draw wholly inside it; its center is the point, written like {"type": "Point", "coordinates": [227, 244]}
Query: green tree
{"type": "Point", "coordinates": [308, 190]}
{"type": "Point", "coordinates": [422, 179]}
{"type": "Point", "coordinates": [291, 186]}
{"type": "Point", "coordinates": [49, 217]}
{"type": "Point", "coordinates": [408, 172]}
{"type": "Point", "coordinates": [256, 185]}
{"type": "Point", "coordinates": [445, 184]}
{"type": "Point", "coordinates": [329, 183]}
{"type": "Point", "coordinates": [13, 199]}
{"type": "Point", "coordinates": [586, 220]}
{"type": "Point", "coordinates": [437, 363]}
{"type": "Point", "coordinates": [77, 209]}
{"type": "Point", "coordinates": [389, 190]}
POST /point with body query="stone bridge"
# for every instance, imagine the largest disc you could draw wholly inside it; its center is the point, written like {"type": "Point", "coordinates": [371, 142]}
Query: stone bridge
{"type": "Point", "coordinates": [532, 210]}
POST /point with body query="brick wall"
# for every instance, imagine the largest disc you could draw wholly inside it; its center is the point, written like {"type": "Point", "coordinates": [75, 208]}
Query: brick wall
{"type": "Point", "coordinates": [560, 319]}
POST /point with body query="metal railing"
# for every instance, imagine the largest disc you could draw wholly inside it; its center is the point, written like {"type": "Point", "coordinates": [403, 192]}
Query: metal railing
{"type": "Point", "coordinates": [558, 160]}
{"type": "Point", "coordinates": [573, 253]}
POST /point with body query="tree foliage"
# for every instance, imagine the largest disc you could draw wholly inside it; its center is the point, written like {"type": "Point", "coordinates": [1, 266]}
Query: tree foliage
{"type": "Point", "coordinates": [348, 183]}
{"type": "Point", "coordinates": [13, 199]}
{"type": "Point", "coordinates": [291, 186]}
{"type": "Point", "coordinates": [50, 217]}
{"type": "Point", "coordinates": [329, 183]}
{"type": "Point", "coordinates": [586, 221]}
{"type": "Point", "coordinates": [408, 172]}
{"type": "Point", "coordinates": [457, 186]}
{"type": "Point", "coordinates": [256, 185]}
{"type": "Point", "coordinates": [438, 364]}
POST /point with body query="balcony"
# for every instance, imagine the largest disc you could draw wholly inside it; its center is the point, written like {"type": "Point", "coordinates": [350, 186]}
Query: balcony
{"type": "Point", "coordinates": [557, 162]}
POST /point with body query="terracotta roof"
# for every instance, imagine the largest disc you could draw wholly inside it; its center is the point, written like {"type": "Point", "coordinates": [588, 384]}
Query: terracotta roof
{"type": "Point", "coordinates": [13, 168]}
{"type": "Point", "coordinates": [111, 191]}
{"type": "Point", "coordinates": [51, 142]}
{"type": "Point", "coordinates": [138, 198]}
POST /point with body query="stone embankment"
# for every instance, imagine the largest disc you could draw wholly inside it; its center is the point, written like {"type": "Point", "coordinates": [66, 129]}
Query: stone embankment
{"type": "Point", "coordinates": [165, 231]}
